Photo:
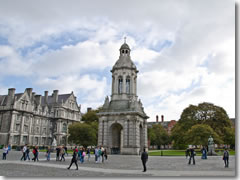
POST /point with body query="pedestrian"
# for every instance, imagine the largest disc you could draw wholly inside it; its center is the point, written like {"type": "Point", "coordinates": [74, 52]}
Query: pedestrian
{"type": "Point", "coordinates": [88, 153]}
{"type": "Point", "coordinates": [65, 148]}
{"type": "Point", "coordinates": [144, 158]}
{"type": "Point", "coordinates": [74, 159]}
{"type": "Point", "coordinates": [99, 154]}
{"type": "Point", "coordinates": [24, 152]}
{"type": "Point", "coordinates": [5, 152]}
{"type": "Point", "coordinates": [83, 154]}
{"type": "Point", "coordinates": [204, 153]}
{"type": "Point", "coordinates": [187, 153]}
{"type": "Point", "coordinates": [37, 153]}
{"type": "Point", "coordinates": [57, 153]}
{"type": "Point", "coordinates": [105, 154]}
{"type": "Point", "coordinates": [34, 151]}
{"type": "Point", "coordinates": [102, 154]}
{"type": "Point", "coordinates": [192, 154]}
{"type": "Point", "coordinates": [48, 153]}
{"type": "Point", "coordinates": [62, 153]}
{"type": "Point", "coordinates": [27, 153]}
{"type": "Point", "coordinates": [226, 157]}
{"type": "Point", "coordinates": [96, 154]}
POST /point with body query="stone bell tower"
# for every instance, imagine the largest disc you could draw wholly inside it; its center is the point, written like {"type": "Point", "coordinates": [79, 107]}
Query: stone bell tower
{"type": "Point", "coordinates": [122, 120]}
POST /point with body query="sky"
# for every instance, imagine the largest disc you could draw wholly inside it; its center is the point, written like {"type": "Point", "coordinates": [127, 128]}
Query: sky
{"type": "Point", "coordinates": [184, 50]}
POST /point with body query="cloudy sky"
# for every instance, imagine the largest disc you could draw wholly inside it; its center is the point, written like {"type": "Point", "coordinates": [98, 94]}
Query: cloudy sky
{"type": "Point", "coordinates": [184, 50]}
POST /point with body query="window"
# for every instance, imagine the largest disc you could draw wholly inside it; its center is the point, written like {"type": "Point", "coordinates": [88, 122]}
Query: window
{"type": "Point", "coordinates": [16, 139]}
{"type": "Point", "coordinates": [25, 140]}
{"type": "Point", "coordinates": [128, 85]}
{"type": "Point", "coordinates": [120, 83]}
{"type": "Point", "coordinates": [25, 128]}
{"type": "Point", "coordinates": [18, 117]}
{"type": "Point", "coordinates": [64, 127]}
{"type": "Point", "coordinates": [17, 127]}
{"type": "Point", "coordinates": [123, 51]}
{"type": "Point", "coordinates": [43, 140]}
{"type": "Point", "coordinates": [126, 51]}
{"type": "Point", "coordinates": [44, 130]}
{"type": "Point", "coordinates": [37, 129]}
{"type": "Point", "coordinates": [36, 140]}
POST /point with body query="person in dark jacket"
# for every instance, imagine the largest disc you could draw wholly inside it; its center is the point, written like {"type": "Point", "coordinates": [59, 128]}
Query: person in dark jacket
{"type": "Point", "coordinates": [226, 157]}
{"type": "Point", "coordinates": [74, 160]}
{"type": "Point", "coordinates": [144, 158]}
{"type": "Point", "coordinates": [192, 154]}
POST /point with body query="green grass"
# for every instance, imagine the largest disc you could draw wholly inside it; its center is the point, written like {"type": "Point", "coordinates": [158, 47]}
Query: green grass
{"type": "Point", "coordinates": [181, 152]}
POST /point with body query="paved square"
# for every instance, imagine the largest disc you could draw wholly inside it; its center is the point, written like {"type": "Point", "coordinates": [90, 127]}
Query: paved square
{"type": "Point", "coordinates": [116, 166]}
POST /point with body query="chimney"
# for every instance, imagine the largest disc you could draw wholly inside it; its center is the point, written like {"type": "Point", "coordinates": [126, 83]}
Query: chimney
{"type": "Point", "coordinates": [38, 99]}
{"type": "Point", "coordinates": [157, 118]}
{"type": "Point", "coordinates": [89, 109]}
{"type": "Point", "coordinates": [55, 96]}
{"type": "Point", "coordinates": [162, 118]}
{"type": "Point", "coordinates": [11, 94]}
{"type": "Point", "coordinates": [46, 97]}
{"type": "Point", "coordinates": [29, 91]}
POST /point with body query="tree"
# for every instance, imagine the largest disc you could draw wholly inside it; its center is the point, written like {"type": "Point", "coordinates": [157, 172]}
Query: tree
{"type": "Point", "coordinates": [206, 114]}
{"type": "Point", "coordinates": [90, 116]}
{"type": "Point", "coordinates": [199, 134]}
{"type": "Point", "coordinates": [82, 134]}
{"type": "Point", "coordinates": [158, 135]}
{"type": "Point", "coordinates": [229, 136]}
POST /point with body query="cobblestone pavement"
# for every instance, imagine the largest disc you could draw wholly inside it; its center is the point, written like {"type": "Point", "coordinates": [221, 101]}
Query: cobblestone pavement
{"type": "Point", "coordinates": [116, 166]}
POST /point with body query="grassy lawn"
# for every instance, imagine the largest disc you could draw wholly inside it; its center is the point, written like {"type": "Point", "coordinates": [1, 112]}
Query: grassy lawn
{"type": "Point", "coordinates": [181, 152]}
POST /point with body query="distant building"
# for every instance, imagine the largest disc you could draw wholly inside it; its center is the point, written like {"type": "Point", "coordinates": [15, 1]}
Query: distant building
{"type": "Point", "coordinates": [168, 125]}
{"type": "Point", "coordinates": [27, 118]}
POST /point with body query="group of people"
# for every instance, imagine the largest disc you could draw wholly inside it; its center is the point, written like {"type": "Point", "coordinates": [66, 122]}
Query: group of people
{"type": "Point", "coordinates": [191, 153]}
{"type": "Point", "coordinates": [100, 154]}
{"type": "Point", "coordinates": [60, 153]}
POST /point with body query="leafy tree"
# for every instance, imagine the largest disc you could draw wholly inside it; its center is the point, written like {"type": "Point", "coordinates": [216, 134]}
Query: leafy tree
{"type": "Point", "coordinates": [206, 114]}
{"type": "Point", "coordinates": [90, 116]}
{"type": "Point", "coordinates": [82, 134]}
{"type": "Point", "coordinates": [199, 134]}
{"type": "Point", "coordinates": [158, 135]}
{"type": "Point", "coordinates": [229, 136]}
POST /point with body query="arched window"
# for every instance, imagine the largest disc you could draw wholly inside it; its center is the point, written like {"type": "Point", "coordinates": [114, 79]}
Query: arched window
{"type": "Point", "coordinates": [64, 127]}
{"type": "Point", "coordinates": [128, 85]}
{"type": "Point", "coordinates": [120, 84]}
{"type": "Point", "coordinates": [123, 51]}
{"type": "Point", "coordinates": [126, 51]}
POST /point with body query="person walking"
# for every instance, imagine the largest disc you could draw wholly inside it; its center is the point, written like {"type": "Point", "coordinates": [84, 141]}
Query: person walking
{"type": "Point", "coordinates": [105, 154]}
{"type": "Point", "coordinates": [57, 153]}
{"type": "Point", "coordinates": [226, 157]}
{"type": "Point", "coordinates": [37, 153]}
{"type": "Point", "coordinates": [74, 159]}
{"type": "Point", "coordinates": [62, 153]}
{"type": "Point", "coordinates": [192, 154]}
{"type": "Point", "coordinates": [5, 152]}
{"type": "Point", "coordinates": [144, 158]}
{"type": "Point", "coordinates": [27, 153]}
{"type": "Point", "coordinates": [187, 153]}
{"type": "Point", "coordinates": [96, 154]}
{"type": "Point", "coordinates": [83, 154]}
{"type": "Point", "coordinates": [48, 153]}
{"type": "Point", "coordinates": [24, 152]}
{"type": "Point", "coordinates": [65, 148]}
{"type": "Point", "coordinates": [102, 154]}
{"type": "Point", "coordinates": [204, 153]}
{"type": "Point", "coordinates": [99, 154]}
{"type": "Point", "coordinates": [88, 153]}
{"type": "Point", "coordinates": [34, 151]}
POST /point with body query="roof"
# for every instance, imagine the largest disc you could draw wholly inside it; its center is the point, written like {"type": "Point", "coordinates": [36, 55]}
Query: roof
{"type": "Point", "coordinates": [124, 62]}
{"type": "Point", "coordinates": [124, 46]}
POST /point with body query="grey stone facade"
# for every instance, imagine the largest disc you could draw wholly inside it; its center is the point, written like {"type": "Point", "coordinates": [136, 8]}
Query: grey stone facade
{"type": "Point", "coordinates": [27, 118]}
{"type": "Point", "coordinates": [122, 120]}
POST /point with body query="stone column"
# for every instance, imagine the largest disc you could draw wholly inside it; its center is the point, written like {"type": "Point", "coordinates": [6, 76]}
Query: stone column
{"type": "Point", "coordinates": [21, 129]}
{"type": "Point", "coordinates": [145, 134]}
{"type": "Point", "coordinates": [100, 132]}
{"type": "Point", "coordinates": [126, 130]}
{"type": "Point", "coordinates": [14, 116]}
{"type": "Point", "coordinates": [105, 133]}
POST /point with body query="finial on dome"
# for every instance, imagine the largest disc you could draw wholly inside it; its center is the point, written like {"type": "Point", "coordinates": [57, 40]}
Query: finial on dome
{"type": "Point", "coordinates": [125, 39]}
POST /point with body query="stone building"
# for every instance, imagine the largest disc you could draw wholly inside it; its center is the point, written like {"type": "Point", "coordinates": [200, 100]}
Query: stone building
{"type": "Point", "coordinates": [122, 121]}
{"type": "Point", "coordinates": [27, 118]}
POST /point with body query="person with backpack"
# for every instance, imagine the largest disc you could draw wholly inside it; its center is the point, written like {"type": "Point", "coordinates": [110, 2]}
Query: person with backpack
{"type": "Point", "coordinates": [226, 157]}
{"type": "Point", "coordinates": [99, 154]}
{"type": "Point", "coordinates": [34, 151]}
{"type": "Point", "coordinates": [74, 159]}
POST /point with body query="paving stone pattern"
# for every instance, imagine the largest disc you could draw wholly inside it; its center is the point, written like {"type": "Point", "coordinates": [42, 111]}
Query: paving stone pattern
{"type": "Point", "coordinates": [116, 166]}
